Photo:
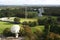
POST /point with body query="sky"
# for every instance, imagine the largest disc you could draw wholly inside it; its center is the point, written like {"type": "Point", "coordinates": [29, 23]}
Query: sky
{"type": "Point", "coordinates": [29, 2]}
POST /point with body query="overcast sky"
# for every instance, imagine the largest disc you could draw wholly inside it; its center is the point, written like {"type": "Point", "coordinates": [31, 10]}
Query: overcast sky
{"type": "Point", "coordinates": [30, 2]}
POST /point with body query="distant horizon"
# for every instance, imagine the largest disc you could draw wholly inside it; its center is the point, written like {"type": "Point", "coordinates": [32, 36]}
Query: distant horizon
{"type": "Point", "coordinates": [27, 5]}
{"type": "Point", "coordinates": [30, 2]}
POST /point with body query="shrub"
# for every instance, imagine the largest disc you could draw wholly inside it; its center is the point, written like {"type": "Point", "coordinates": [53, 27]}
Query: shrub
{"type": "Point", "coordinates": [41, 21]}
{"type": "Point", "coordinates": [49, 20]}
{"type": "Point", "coordinates": [38, 33]}
{"type": "Point", "coordinates": [53, 36]}
{"type": "Point", "coordinates": [16, 20]}
{"type": "Point", "coordinates": [28, 32]}
{"type": "Point", "coordinates": [22, 31]}
{"type": "Point", "coordinates": [32, 24]}
{"type": "Point", "coordinates": [58, 18]}
{"type": "Point", "coordinates": [32, 14]}
{"type": "Point", "coordinates": [25, 23]}
{"type": "Point", "coordinates": [7, 32]}
{"type": "Point", "coordinates": [27, 29]}
{"type": "Point", "coordinates": [55, 28]}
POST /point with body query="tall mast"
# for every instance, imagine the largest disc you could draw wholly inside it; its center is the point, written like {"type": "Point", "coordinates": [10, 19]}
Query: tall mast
{"type": "Point", "coordinates": [25, 12]}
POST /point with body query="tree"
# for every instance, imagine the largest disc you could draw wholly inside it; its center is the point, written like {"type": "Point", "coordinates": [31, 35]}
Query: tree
{"type": "Point", "coordinates": [48, 22]}
{"type": "Point", "coordinates": [28, 32]}
{"type": "Point", "coordinates": [17, 20]}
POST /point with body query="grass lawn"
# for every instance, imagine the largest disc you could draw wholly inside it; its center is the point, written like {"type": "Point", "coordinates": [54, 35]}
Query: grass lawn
{"type": "Point", "coordinates": [41, 28]}
{"type": "Point", "coordinates": [4, 25]}
{"type": "Point", "coordinates": [28, 19]}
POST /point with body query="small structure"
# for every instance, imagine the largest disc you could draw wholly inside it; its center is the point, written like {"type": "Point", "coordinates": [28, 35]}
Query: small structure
{"type": "Point", "coordinates": [40, 11]}
{"type": "Point", "coordinates": [15, 29]}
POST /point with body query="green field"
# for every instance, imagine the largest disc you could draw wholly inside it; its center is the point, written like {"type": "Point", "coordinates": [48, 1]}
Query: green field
{"type": "Point", "coordinates": [4, 25]}
{"type": "Point", "coordinates": [29, 19]}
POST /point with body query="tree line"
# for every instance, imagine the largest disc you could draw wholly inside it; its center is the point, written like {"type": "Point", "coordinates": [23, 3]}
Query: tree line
{"type": "Point", "coordinates": [17, 13]}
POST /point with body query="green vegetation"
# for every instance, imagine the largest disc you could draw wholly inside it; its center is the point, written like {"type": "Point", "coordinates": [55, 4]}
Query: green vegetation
{"type": "Point", "coordinates": [28, 19]}
{"type": "Point", "coordinates": [4, 25]}
{"type": "Point", "coordinates": [17, 20]}
{"type": "Point", "coordinates": [32, 26]}
{"type": "Point", "coordinates": [17, 13]}
{"type": "Point", "coordinates": [35, 31]}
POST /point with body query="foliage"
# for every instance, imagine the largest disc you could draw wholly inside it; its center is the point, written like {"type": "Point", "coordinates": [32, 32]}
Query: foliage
{"type": "Point", "coordinates": [28, 32]}
{"type": "Point", "coordinates": [46, 31]}
{"type": "Point", "coordinates": [38, 34]}
{"type": "Point", "coordinates": [48, 22]}
{"type": "Point", "coordinates": [21, 31]}
{"type": "Point", "coordinates": [25, 23]}
{"type": "Point", "coordinates": [16, 20]}
{"type": "Point", "coordinates": [7, 32]}
{"type": "Point", "coordinates": [20, 12]}
{"type": "Point", "coordinates": [4, 25]}
{"type": "Point", "coordinates": [55, 28]}
{"type": "Point", "coordinates": [58, 19]}
{"type": "Point", "coordinates": [52, 11]}
{"type": "Point", "coordinates": [40, 22]}
{"type": "Point", "coordinates": [45, 20]}
{"type": "Point", "coordinates": [32, 14]}
{"type": "Point", "coordinates": [32, 24]}
{"type": "Point", "coordinates": [53, 36]}
{"type": "Point", "coordinates": [51, 26]}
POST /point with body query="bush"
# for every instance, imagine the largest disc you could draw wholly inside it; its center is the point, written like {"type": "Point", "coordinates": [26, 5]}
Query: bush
{"type": "Point", "coordinates": [32, 24]}
{"type": "Point", "coordinates": [28, 32]}
{"type": "Point", "coordinates": [25, 23]}
{"type": "Point", "coordinates": [7, 32]}
{"type": "Point", "coordinates": [53, 36]}
{"type": "Point", "coordinates": [22, 31]}
{"type": "Point", "coordinates": [58, 19]}
{"type": "Point", "coordinates": [16, 20]}
{"type": "Point", "coordinates": [38, 33]}
{"type": "Point", "coordinates": [48, 20]}
{"type": "Point", "coordinates": [32, 14]}
{"type": "Point", "coordinates": [55, 28]}
{"type": "Point", "coordinates": [41, 21]}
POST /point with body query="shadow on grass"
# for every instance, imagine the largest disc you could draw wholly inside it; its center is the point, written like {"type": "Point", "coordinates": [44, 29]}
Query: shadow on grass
{"type": "Point", "coordinates": [8, 22]}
